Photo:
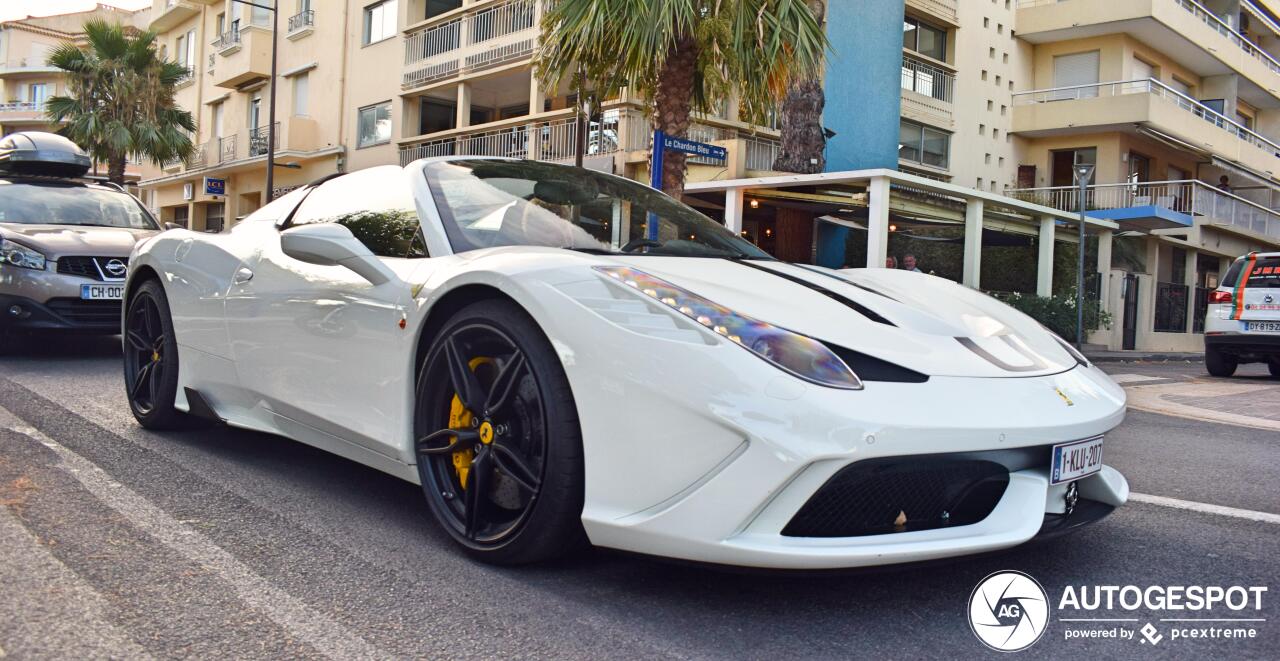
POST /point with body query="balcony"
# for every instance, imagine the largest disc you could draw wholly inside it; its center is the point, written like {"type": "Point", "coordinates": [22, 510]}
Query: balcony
{"type": "Point", "coordinates": [26, 66]}
{"type": "Point", "coordinates": [945, 10]}
{"type": "Point", "coordinates": [498, 35]}
{"type": "Point", "coordinates": [927, 92]}
{"type": "Point", "coordinates": [168, 14]}
{"type": "Point", "coordinates": [1161, 204]}
{"type": "Point", "coordinates": [301, 24]}
{"type": "Point", "coordinates": [1120, 106]}
{"type": "Point", "coordinates": [244, 55]}
{"type": "Point", "coordinates": [22, 112]}
{"type": "Point", "coordinates": [1183, 29]}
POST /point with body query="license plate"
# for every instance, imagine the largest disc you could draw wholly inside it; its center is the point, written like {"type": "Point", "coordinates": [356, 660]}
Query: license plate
{"type": "Point", "coordinates": [101, 292]}
{"type": "Point", "coordinates": [1074, 460]}
{"type": "Point", "coordinates": [1264, 326]}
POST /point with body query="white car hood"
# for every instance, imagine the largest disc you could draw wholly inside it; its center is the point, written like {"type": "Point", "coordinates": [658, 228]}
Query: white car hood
{"type": "Point", "coordinates": [935, 326]}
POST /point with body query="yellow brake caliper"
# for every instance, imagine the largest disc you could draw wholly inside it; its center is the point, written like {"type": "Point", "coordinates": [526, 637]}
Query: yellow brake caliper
{"type": "Point", "coordinates": [460, 418]}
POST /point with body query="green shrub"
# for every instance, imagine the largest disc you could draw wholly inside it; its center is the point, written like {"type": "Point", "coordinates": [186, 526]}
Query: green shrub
{"type": "Point", "coordinates": [1058, 313]}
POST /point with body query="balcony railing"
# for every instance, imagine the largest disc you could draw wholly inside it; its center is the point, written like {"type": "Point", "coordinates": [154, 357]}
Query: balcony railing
{"type": "Point", "coordinates": [226, 149]}
{"type": "Point", "coordinates": [495, 35]}
{"type": "Point", "coordinates": [553, 140]}
{"type": "Point", "coordinates": [762, 152]}
{"type": "Point", "coordinates": [258, 138]}
{"type": "Point", "coordinates": [923, 78]}
{"type": "Point", "coordinates": [227, 39]}
{"type": "Point", "coordinates": [22, 106]}
{"type": "Point", "coordinates": [302, 20]}
{"type": "Point", "coordinates": [1191, 197]}
{"type": "Point", "coordinates": [945, 8]}
{"type": "Point", "coordinates": [1155, 88]}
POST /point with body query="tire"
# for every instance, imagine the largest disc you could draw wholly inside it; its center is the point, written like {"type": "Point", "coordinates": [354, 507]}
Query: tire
{"type": "Point", "coordinates": [151, 359]}
{"type": "Point", "coordinates": [501, 467]}
{"type": "Point", "coordinates": [1218, 363]}
{"type": "Point", "coordinates": [1274, 366]}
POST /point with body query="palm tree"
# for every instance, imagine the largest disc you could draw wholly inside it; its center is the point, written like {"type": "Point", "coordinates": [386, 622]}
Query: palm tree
{"type": "Point", "coordinates": [121, 98]}
{"type": "Point", "coordinates": [684, 55]}
{"type": "Point", "coordinates": [804, 141]}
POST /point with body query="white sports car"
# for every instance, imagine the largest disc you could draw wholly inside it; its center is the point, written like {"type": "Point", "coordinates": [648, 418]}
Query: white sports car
{"type": "Point", "coordinates": [560, 356]}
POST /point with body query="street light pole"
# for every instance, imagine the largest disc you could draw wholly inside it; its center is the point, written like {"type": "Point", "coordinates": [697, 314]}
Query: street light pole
{"type": "Point", "coordinates": [1083, 172]}
{"type": "Point", "coordinates": [271, 104]}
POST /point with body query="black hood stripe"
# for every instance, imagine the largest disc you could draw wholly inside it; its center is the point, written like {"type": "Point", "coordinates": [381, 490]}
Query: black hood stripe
{"type": "Point", "coordinates": [843, 300]}
{"type": "Point", "coordinates": [845, 281]}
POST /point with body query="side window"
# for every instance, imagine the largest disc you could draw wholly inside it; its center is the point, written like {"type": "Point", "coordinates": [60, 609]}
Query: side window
{"type": "Point", "coordinates": [375, 204]}
{"type": "Point", "coordinates": [1233, 274]}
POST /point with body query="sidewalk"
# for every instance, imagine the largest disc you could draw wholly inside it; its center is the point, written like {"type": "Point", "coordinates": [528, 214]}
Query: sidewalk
{"type": "Point", "coordinates": [1143, 356]}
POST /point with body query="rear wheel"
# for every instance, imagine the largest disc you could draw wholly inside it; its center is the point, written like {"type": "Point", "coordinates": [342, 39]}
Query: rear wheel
{"type": "Point", "coordinates": [1218, 363]}
{"type": "Point", "coordinates": [151, 359]}
{"type": "Point", "coordinates": [499, 448]}
{"type": "Point", "coordinates": [1274, 366]}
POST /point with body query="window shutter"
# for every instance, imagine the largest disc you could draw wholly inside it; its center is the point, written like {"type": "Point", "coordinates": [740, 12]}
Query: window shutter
{"type": "Point", "coordinates": [1076, 69]}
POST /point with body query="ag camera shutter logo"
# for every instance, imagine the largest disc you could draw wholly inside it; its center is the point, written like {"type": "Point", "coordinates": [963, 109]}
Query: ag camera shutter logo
{"type": "Point", "coordinates": [1008, 611]}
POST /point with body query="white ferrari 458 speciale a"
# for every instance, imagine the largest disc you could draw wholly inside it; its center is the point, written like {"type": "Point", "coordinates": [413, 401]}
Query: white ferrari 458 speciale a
{"type": "Point", "coordinates": [562, 357]}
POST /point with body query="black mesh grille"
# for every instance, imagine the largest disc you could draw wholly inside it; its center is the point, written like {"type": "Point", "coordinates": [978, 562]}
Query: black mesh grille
{"type": "Point", "coordinates": [873, 497]}
{"type": "Point", "coordinates": [86, 267]}
{"type": "Point", "coordinates": [87, 313]}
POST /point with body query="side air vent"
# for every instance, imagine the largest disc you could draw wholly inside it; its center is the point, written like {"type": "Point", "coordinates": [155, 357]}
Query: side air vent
{"type": "Point", "coordinates": [870, 368]}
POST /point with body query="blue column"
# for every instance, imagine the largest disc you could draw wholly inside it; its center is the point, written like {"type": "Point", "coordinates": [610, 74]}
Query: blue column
{"type": "Point", "coordinates": [863, 83]}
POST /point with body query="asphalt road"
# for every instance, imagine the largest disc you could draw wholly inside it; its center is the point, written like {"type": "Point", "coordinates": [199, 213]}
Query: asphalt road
{"type": "Point", "coordinates": [117, 542]}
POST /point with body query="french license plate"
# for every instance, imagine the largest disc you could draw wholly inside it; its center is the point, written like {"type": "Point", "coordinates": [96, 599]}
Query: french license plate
{"type": "Point", "coordinates": [1074, 460]}
{"type": "Point", "coordinates": [101, 292]}
{"type": "Point", "coordinates": [1264, 326]}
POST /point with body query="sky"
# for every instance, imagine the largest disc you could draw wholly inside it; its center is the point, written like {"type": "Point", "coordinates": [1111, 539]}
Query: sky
{"type": "Point", "coordinates": [15, 9]}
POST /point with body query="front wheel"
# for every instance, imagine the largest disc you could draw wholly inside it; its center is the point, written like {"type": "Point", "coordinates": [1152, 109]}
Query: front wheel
{"type": "Point", "coordinates": [499, 447]}
{"type": "Point", "coordinates": [151, 358]}
{"type": "Point", "coordinates": [1218, 363]}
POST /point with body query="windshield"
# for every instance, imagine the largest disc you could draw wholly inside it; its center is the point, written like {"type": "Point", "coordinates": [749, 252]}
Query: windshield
{"type": "Point", "coordinates": [489, 203]}
{"type": "Point", "coordinates": [55, 203]}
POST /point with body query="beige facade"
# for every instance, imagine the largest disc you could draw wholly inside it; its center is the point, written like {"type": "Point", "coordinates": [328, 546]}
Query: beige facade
{"type": "Point", "coordinates": [27, 80]}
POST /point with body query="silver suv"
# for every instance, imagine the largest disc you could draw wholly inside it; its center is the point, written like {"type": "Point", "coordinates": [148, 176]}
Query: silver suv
{"type": "Point", "coordinates": [64, 240]}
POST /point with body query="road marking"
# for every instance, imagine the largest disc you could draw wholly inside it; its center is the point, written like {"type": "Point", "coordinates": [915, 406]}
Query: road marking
{"type": "Point", "coordinates": [1135, 378]}
{"type": "Point", "coordinates": [1205, 508]}
{"type": "Point", "coordinates": [305, 623]}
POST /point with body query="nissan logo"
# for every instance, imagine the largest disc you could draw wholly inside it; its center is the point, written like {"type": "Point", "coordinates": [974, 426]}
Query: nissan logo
{"type": "Point", "coordinates": [115, 268]}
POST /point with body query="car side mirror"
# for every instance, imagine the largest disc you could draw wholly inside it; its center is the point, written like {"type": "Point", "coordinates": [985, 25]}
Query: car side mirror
{"type": "Point", "coordinates": [331, 244]}
{"type": "Point", "coordinates": [172, 226]}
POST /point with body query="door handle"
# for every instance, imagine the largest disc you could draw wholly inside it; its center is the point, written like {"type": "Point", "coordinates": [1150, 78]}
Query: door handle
{"type": "Point", "coordinates": [242, 276]}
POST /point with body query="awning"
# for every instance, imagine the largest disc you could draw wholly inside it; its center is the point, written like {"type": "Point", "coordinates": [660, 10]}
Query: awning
{"type": "Point", "coordinates": [1147, 217]}
{"type": "Point", "coordinates": [1246, 172]}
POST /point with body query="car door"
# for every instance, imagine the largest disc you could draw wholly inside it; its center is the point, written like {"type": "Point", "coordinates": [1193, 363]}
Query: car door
{"type": "Point", "coordinates": [320, 345]}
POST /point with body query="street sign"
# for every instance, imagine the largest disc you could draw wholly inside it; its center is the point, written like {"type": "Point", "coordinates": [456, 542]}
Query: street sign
{"type": "Point", "coordinates": [214, 186]}
{"type": "Point", "coordinates": [697, 148]}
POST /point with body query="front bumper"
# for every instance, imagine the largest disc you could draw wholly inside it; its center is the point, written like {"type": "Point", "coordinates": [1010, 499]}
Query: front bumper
{"type": "Point", "coordinates": [62, 314]}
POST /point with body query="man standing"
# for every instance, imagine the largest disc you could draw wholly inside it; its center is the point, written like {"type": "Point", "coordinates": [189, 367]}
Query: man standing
{"type": "Point", "coordinates": [909, 263]}
{"type": "Point", "coordinates": [1224, 184]}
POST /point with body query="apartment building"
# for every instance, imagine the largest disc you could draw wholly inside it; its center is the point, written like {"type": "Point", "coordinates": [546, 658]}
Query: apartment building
{"type": "Point", "coordinates": [1177, 104]}
{"type": "Point", "coordinates": [27, 80]}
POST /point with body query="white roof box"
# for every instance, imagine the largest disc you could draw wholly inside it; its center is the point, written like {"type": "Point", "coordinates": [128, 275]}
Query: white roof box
{"type": "Point", "coordinates": [37, 152]}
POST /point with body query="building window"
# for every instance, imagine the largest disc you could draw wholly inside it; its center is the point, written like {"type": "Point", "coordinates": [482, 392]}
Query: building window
{"type": "Point", "coordinates": [436, 116]}
{"type": "Point", "coordinates": [924, 39]}
{"type": "Point", "coordinates": [921, 144]}
{"type": "Point", "coordinates": [301, 94]}
{"type": "Point", "coordinates": [375, 125]}
{"type": "Point", "coordinates": [380, 21]}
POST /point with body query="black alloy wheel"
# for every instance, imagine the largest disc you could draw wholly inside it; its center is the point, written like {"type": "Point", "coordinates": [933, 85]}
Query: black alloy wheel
{"type": "Point", "coordinates": [151, 358]}
{"type": "Point", "coordinates": [498, 446]}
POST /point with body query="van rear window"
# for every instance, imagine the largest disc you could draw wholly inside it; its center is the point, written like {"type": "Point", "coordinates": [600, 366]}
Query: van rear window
{"type": "Point", "coordinates": [1265, 274]}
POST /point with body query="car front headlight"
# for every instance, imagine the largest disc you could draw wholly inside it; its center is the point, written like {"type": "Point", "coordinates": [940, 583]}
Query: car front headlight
{"type": "Point", "coordinates": [21, 256]}
{"type": "Point", "coordinates": [797, 354]}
